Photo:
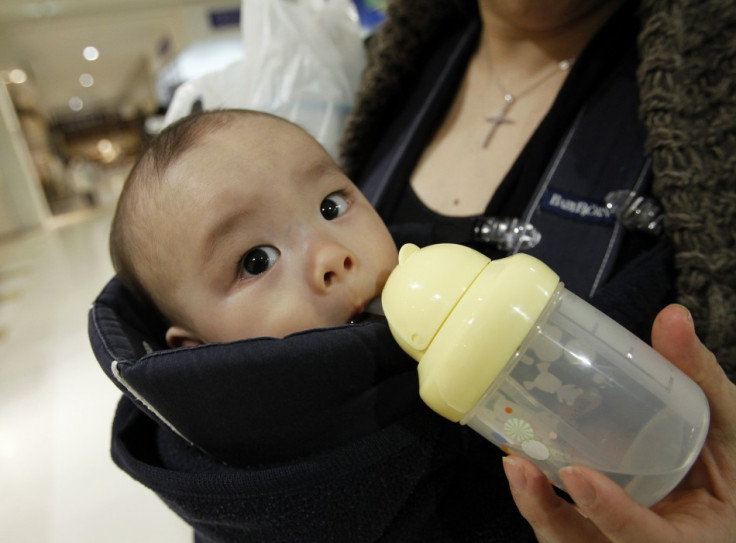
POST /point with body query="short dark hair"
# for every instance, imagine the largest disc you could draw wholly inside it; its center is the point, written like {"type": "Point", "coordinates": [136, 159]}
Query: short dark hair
{"type": "Point", "coordinates": [127, 235]}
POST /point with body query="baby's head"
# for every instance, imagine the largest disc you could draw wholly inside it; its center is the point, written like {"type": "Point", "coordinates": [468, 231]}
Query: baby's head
{"type": "Point", "coordinates": [238, 224]}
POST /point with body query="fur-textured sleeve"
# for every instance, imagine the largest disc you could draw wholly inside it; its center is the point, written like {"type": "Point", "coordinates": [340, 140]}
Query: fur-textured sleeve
{"type": "Point", "coordinates": [688, 102]}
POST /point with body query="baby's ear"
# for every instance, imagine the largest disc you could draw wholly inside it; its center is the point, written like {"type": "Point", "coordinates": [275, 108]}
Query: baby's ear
{"type": "Point", "coordinates": [176, 336]}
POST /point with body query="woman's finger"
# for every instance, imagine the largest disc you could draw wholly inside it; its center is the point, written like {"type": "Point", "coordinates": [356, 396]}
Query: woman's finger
{"type": "Point", "coordinates": [553, 519]}
{"type": "Point", "coordinates": [674, 337]}
{"type": "Point", "coordinates": [613, 512]}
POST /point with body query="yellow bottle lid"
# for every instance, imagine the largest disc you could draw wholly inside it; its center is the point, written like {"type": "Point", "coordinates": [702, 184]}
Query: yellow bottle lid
{"type": "Point", "coordinates": [462, 317]}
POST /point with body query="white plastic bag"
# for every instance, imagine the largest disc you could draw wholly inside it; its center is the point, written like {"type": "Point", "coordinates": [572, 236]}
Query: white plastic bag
{"type": "Point", "coordinates": [215, 90]}
{"type": "Point", "coordinates": [303, 61]}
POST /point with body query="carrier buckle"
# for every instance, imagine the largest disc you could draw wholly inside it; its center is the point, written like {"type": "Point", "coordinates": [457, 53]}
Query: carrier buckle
{"type": "Point", "coordinates": [635, 212]}
{"type": "Point", "coordinates": [506, 233]}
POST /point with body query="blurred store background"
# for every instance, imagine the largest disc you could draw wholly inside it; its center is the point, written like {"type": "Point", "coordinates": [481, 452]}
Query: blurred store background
{"type": "Point", "coordinates": [83, 84]}
{"type": "Point", "coordinates": [82, 79]}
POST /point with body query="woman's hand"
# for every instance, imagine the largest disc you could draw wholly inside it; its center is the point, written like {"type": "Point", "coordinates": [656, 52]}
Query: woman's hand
{"type": "Point", "coordinates": [701, 509]}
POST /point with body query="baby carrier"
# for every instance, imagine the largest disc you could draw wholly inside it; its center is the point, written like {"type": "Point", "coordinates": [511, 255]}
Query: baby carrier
{"type": "Point", "coordinates": [320, 436]}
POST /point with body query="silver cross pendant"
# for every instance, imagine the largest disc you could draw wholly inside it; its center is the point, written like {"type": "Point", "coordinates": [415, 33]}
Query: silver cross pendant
{"type": "Point", "coordinates": [499, 119]}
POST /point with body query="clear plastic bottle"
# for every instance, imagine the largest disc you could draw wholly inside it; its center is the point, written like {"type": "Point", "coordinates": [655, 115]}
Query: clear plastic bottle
{"type": "Point", "coordinates": [503, 347]}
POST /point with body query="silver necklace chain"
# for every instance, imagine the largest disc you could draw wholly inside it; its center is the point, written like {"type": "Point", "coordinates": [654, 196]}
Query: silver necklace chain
{"type": "Point", "coordinates": [510, 99]}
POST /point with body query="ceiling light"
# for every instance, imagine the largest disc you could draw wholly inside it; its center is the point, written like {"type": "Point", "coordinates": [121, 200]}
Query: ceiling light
{"type": "Point", "coordinates": [104, 146]}
{"type": "Point", "coordinates": [76, 103]}
{"type": "Point", "coordinates": [91, 53]}
{"type": "Point", "coordinates": [108, 150]}
{"type": "Point", "coordinates": [86, 80]}
{"type": "Point", "coordinates": [17, 76]}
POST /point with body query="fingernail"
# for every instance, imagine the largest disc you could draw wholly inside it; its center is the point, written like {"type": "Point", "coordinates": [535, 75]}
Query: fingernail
{"type": "Point", "coordinates": [687, 313]}
{"type": "Point", "coordinates": [578, 486]}
{"type": "Point", "coordinates": [515, 474]}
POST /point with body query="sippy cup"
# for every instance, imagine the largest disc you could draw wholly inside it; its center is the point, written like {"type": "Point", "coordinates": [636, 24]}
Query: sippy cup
{"type": "Point", "coordinates": [504, 348]}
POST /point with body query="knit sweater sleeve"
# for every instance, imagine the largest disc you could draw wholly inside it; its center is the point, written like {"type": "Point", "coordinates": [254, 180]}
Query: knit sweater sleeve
{"type": "Point", "coordinates": [687, 81]}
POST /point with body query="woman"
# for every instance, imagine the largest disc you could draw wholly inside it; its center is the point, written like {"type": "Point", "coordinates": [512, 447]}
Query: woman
{"type": "Point", "coordinates": [432, 109]}
{"type": "Point", "coordinates": [553, 113]}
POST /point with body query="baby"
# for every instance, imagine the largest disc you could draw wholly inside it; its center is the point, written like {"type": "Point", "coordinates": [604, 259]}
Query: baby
{"type": "Point", "coordinates": [238, 224]}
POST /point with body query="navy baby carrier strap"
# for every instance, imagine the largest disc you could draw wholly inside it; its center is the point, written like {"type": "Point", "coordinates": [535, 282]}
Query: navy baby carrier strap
{"type": "Point", "coordinates": [601, 153]}
{"type": "Point", "coordinates": [256, 400]}
{"type": "Point", "coordinates": [415, 119]}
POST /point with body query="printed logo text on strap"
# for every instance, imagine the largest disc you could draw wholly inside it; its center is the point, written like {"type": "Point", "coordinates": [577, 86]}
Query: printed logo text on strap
{"type": "Point", "coordinates": [576, 208]}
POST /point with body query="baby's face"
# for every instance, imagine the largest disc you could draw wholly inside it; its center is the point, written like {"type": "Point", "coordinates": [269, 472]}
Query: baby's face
{"type": "Point", "coordinates": [263, 235]}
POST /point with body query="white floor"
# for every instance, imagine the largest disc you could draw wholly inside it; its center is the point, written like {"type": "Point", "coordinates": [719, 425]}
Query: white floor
{"type": "Point", "coordinates": [57, 481]}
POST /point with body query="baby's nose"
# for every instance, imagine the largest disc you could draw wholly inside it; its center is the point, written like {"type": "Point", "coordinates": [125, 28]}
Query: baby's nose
{"type": "Point", "coordinates": [333, 263]}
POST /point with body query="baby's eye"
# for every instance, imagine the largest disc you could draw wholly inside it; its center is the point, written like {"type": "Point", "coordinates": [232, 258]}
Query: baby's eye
{"type": "Point", "coordinates": [333, 206]}
{"type": "Point", "coordinates": [259, 260]}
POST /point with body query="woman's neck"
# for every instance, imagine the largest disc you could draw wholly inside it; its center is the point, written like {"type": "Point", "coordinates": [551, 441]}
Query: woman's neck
{"type": "Point", "coordinates": [522, 38]}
